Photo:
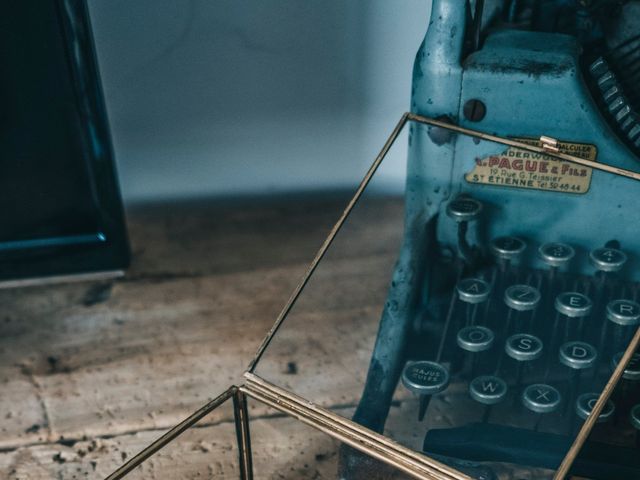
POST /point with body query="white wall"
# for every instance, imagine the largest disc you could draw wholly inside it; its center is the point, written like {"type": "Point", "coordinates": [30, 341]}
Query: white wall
{"type": "Point", "coordinates": [220, 97]}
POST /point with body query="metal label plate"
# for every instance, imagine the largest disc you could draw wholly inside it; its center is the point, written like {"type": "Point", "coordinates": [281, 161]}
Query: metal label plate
{"type": "Point", "coordinates": [521, 169]}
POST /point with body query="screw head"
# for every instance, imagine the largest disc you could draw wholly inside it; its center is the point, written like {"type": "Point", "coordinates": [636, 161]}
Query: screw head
{"type": "Point", "coordinates": [474, 110]}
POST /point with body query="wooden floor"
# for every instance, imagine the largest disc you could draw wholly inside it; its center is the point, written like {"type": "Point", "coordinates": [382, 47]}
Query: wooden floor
{"type": "Point", "coordinates": [92, 372]}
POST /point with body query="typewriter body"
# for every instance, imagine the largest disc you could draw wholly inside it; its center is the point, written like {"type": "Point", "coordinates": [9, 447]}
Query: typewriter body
{"type": "Point", "coordinates": [517, 286]}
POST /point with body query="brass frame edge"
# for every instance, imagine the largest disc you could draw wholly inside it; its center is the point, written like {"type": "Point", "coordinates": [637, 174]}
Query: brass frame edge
{"type": "Point", "coordinates": [373, 444]}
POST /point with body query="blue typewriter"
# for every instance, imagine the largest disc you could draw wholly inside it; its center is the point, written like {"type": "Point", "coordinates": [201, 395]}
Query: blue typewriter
{"type": "Point", "coordinates": [516, 293]}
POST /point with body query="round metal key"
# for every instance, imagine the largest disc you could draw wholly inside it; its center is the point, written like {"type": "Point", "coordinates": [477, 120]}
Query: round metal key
{"type": "Point", "coordinates": [522, 297]}
{"type": "Point", "coordinates": [578, 355]}
{"type": "Point", "coordinates": [632, 372]}
{"type": "Point", "coordinates": [573, 304]}
{"type": "Point", "coordinates": [585, 404]}
{"type": "Point", "coordinates": [624, 312]}
{"type": "Point", "coordinates": [523, 347]}
{"type": "Point", "coordinates": [425, 377]}
{"type": "Point", "coordinates": [473, 290]}
{"type": "Point", "coordinates": [464, 209]}
{"type": "Point", "coordinates": [475, 339]}
{"type": "Point", "coordinates": [507, 248]}
{"type": "Point", "coordinates": [608, 259]}
{"type": "Point", "coordinates": [541, 398]}
{"type": "Point", "coordinates": [488, 389]}
{"type": "Point", "coordinates": [634, 416]}
{"type": "Point", "coordinates": [556, 254]}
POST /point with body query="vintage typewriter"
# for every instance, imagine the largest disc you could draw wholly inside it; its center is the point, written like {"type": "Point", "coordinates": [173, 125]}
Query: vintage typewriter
{"type": "Point", "coordinates": [516, 290]}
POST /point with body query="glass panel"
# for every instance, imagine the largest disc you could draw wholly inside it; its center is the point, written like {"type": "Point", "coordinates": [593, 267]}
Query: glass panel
{"type": "Point", "coordinates": [208, 449]}
{"type": "Point", "coordinates": [287, 449]}
{"type": "Point", "coordinates": [466, 312]}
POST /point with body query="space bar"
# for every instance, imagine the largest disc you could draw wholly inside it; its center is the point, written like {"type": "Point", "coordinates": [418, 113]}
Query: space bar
{"type": "Point", "coordinates": [484, 442]}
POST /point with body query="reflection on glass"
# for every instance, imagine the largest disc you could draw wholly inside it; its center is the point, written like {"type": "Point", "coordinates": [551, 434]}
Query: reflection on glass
{"type": "Point", "coordinates": [476, 319]}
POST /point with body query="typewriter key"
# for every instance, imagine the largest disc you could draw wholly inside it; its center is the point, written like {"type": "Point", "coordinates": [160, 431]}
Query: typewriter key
{"type": "Point", "coordinates": [464, 209]}
{"type": "Point", "coordinates": [577, 356]}
{"type": "Point", "coordinates": [624, 314]}
{"type": "Point", "coordinates": [634, 418]}
{"type": "Point", "coordinates": [474, 339]}
{"type": "Point", "coordinates": [426, 379]}
{"type": "Point", "coordinates": [541, 398]}
{"type": "Point", "coordinates": [628, 387]}
{"type": "Point", "coordinates": [507, 248]}
{"type": "Point", "coordinates": [585, 404]}
{"type": "Point", "coordinates": [607, 259]}
{"type": "Point", "coordinates": [556, 254]}
{"type": "Point", "coordinates": [488, 390]}
{"type": "Point", "coordinates": [571, 305]}
{"type": "Point", "coordinates": [632, 372]}
{"type": "Point", "coordinates": [473, 290]}
{"type": "Point", "coordinates": [523, 347]}
{"type": "Point", "coordinates": [522, 297]}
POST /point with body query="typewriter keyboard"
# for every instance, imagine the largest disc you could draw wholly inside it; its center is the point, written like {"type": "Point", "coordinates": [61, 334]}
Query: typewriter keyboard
{"type": "Point", "coordinates": [532, 349]}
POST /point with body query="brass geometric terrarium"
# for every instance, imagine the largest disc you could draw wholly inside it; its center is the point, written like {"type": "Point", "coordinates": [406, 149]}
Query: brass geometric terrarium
{"type": "Point", "coordinates": [473, 333]}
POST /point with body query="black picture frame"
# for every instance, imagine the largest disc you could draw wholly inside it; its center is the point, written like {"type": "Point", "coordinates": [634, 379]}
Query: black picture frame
{"type": "Point", "coordinates": [94, 239]}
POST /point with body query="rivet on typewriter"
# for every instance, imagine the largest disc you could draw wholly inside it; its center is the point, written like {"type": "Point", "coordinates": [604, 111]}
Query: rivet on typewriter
{"type": "Point", "coordinates": [425, 378]}
{"type": "Point", "coordinates": [488, 390]}
{"type": "Point", "coordinates": [541, 398]}
{"type": "Point", "coordinates": [577, 356]}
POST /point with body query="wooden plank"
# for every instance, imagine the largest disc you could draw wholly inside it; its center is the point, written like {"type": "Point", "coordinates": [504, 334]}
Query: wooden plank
{"type": "Point", "coordinates": [148, 356]}
{"type": "Point", "coordinates": [109, 358]}
{"type": "Point", "coordinates": [282, 448]}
